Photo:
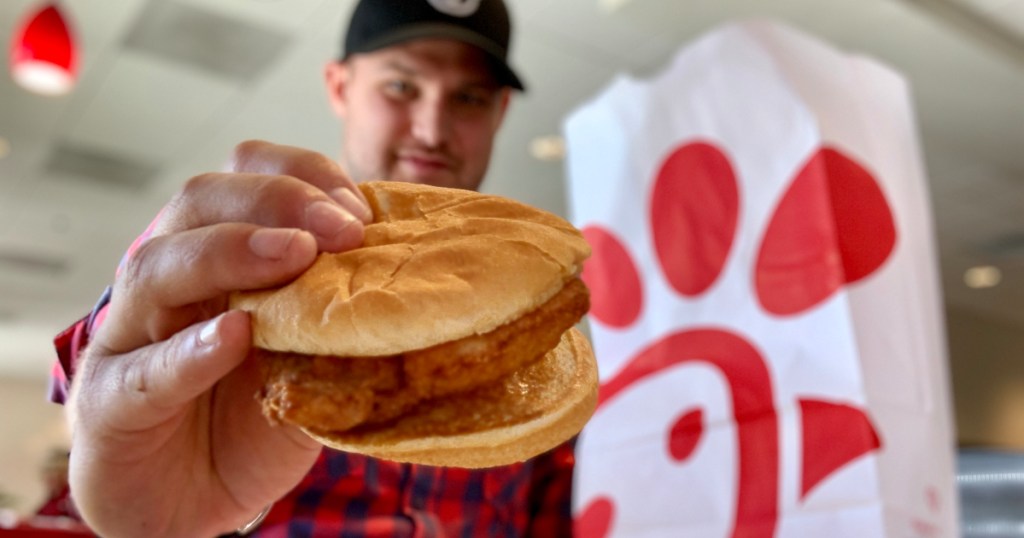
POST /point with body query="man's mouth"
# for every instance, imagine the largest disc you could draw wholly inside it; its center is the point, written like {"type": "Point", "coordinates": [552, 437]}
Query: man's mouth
{"type": "Point", "coordinates": [420, 166]}
{"type": "Point", "coordinates": [425, 160]}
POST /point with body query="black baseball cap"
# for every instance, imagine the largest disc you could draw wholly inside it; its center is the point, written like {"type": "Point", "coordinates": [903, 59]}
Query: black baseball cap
{"type": "Point", "coordinates": [376, 24]}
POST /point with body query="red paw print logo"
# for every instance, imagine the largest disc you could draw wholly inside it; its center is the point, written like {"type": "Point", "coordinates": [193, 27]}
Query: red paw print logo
{"type": "Point", "coordinates": [713, 379]}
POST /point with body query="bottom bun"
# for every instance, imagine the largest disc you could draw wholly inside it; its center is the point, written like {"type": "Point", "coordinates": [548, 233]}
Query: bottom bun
{"type": "Point", "coordinates": [521, 416]}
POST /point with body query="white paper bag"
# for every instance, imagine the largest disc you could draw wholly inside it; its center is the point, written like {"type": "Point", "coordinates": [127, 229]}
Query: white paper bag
{"type": "Point", "coordinates": [766, 312]}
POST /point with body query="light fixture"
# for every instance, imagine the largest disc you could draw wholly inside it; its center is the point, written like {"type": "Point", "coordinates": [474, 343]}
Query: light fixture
{"type": "Point", "coordinates": [548, 148]}
{"type": "Point", "coordinates": [983, 276]}
{"type": "Point", "coordinates": [5, 147]}
{"type": "Point", "coordinates": [44, 58]}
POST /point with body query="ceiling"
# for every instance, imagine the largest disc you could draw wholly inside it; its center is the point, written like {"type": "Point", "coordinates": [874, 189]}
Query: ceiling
{"type": "Point", "coordinates": [169, 87]}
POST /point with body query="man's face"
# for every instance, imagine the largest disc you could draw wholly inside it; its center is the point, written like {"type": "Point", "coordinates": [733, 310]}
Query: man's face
{"type": "Point", "coordinates": [425, 111]}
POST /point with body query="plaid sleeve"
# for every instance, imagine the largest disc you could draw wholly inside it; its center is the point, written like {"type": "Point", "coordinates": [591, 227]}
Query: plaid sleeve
{"type": "Point", "coordinates": [69, 345]}
{"type": "Point", "coordinates": [551, 492]}
{"type": "Point", "coordinates": [72, 341]}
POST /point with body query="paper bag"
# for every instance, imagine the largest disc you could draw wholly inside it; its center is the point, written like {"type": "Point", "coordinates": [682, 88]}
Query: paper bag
{"type": "Point", "coordinates": [765, 302]}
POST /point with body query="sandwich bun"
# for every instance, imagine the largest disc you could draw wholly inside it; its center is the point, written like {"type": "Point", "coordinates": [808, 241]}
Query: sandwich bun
{"type": "Point", "coordinates": [436, 265]}
{"type": "Point", "coordinates": [445, 339]}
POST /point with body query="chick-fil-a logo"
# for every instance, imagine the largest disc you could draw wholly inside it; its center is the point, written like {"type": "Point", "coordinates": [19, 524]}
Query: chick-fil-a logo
{"type": "Point", "coordinates": [832, 227]}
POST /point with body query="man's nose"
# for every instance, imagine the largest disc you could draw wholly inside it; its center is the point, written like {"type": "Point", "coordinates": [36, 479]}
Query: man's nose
{"type": "Point", "coordinates": [431, 122]}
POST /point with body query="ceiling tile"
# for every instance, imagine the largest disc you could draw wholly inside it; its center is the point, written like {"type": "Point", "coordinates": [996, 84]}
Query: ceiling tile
{"type": "Point", "coordinates": [205, 40]}
{"type": "Point", "coordinates": [290, 15]}
{"type": "Point", "coordinates": [984, 6]}
{"type": "Point", "coordinates": [287, 106]}
{"type": "Point", "coordinates": [1011, 14]}
{"type": "Point", "coordinates": [103, 168]}
{"type": "Point", "coordinates": [148, 108]}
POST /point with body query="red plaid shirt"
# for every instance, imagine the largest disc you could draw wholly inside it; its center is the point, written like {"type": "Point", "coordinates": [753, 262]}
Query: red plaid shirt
{"type": "Point", "coordinates": [351, 495]}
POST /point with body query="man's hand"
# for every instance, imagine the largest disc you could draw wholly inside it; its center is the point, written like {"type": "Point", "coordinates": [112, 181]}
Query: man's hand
{"type": "Point", "coordinates": [167, 438]}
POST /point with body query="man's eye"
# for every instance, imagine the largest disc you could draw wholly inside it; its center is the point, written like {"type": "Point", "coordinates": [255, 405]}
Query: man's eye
{"type": "Point", "coordinates": [398, 88]}
{"type": "Point", "coordinates": [479, 99]}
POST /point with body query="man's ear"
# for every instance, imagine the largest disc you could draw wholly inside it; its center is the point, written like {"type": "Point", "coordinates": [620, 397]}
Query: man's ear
{"type": "Point", "coordinates": [506, 97]}
{"type": "Point", "coordinates": [336, 76]}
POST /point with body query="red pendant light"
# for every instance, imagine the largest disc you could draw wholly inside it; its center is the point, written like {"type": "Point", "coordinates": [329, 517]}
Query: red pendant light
{"type": "Point", "coordinates": [43, 54]}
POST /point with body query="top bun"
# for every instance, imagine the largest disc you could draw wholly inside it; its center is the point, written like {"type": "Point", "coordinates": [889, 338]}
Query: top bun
{"type": "Point", "coordinates": [436, 265]}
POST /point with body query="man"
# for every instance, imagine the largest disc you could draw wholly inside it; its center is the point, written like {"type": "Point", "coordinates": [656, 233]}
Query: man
{"type": "Point", "coordinates": [167, 439]}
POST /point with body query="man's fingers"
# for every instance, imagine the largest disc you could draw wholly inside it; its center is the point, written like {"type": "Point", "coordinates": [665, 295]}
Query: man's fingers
{"type": "Point", "coordinates": [150, 385]}
{"type": "Point", "coordinates": [354, 202]}
{"type": "Point", "coordinates": [179, 416]}
{"type": "Point", "coordinates": [316, 169]}
{"type": "Point", "coordinates": [157, 292]}
{"type": "Point", "coordinates": [335, 218]}
{"type": "Point", "coordinates": [197, 265]}
{"type": "Point", "coordinates": [260, 157]}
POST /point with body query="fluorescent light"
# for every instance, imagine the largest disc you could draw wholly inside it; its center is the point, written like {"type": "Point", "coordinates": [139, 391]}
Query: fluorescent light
{"type": "Point", "coordinates": [548, 148]}
{"type": "Point", "coordinates": [983, 276]}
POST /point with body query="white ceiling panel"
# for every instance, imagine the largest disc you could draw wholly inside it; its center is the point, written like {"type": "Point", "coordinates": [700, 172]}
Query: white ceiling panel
{"type": "Point", "coordinates": [290, 105]}
{"type": "Point", "coordinates": [1005, 13]}
{"type": "Point", "coordinates": [148, 107]}
{"type": "Point", "coordinates": [26, 150]}
{"type": "Point", "coordinates": [286, 105]}
{"type": "Point", "coordinates": [23, 114]}
{"type": "Point", "coordinates": [14, 10]}
{"type": "Point", "coordinates": [99, 25]}
{"type": "Point", "coordinates": [985, 6]}
{"type": "Point", "coordinates": [1011, 13]}
{"type": "Point", "coordinates": [292, 15]}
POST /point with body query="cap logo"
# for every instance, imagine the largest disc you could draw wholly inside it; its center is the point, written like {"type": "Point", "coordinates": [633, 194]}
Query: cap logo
{"type": "Point", "coordinates": [456, 8]}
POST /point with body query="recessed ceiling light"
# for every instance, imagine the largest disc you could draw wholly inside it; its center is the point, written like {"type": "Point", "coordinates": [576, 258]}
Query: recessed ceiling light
{"type": "Point", "coordinates": [982, 276]}
{"type": "Point", "coordinates": [548, 148]}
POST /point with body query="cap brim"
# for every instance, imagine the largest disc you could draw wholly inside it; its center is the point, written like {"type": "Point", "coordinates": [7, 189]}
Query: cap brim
{"type": "Point", "coordinates": [502, 71]}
